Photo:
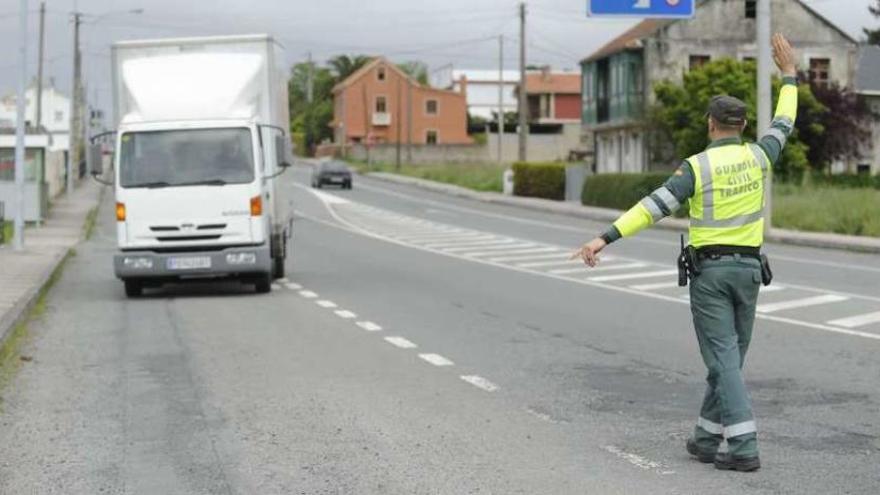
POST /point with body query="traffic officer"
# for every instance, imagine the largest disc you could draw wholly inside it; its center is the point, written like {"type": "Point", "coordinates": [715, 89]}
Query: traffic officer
{"type": "Point", "coordinates": [725, 186]}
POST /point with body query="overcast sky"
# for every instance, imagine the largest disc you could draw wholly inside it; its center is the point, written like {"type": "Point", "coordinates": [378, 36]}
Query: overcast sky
{"type": "Point", "coordinates": [458, 32]}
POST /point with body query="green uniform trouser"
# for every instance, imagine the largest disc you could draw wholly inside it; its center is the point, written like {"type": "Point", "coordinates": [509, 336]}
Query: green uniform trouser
{"type": "Point", "coordinates": [723, 299]}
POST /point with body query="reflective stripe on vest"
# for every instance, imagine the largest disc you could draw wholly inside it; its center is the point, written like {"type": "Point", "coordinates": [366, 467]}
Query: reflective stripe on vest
{"type": "Point", "coordinates": [707, 210]}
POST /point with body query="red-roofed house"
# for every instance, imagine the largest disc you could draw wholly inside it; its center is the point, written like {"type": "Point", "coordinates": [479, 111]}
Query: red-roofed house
{"type": "Point", "coordinates": [553, 97]}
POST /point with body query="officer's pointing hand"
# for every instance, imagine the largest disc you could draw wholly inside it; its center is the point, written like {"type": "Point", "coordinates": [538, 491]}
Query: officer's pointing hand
{"type": "Point", "coordinates": [589, 251]}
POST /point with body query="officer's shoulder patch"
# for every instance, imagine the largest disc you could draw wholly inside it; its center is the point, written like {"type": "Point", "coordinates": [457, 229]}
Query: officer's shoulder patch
{"type": "Point", "coordinates": [679, 172]}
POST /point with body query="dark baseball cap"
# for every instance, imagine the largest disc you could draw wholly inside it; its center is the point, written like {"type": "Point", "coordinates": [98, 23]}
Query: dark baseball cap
{"type": "Point", "coordinates": [727, 110]}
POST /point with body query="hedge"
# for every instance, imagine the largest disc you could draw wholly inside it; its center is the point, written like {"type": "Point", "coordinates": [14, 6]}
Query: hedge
{"type": "Point", "coordinates": [846, 180]}
{"type": "Point", "coordinates": [620, 191]}
{"type": "Point", "coordinates": [539, 180]}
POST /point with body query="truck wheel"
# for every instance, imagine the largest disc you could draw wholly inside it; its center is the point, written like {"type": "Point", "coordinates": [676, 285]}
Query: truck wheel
{"type": "Point", "coordinates": [263, 284]}
{"type": "Point", "coordinates": [278, 267]}
{"type": "Point", "coordinates": [133, 288]}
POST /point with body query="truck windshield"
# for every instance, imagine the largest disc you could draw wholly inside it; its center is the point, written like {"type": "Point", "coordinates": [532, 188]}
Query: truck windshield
{"type": "Point", "coordinates": [186, 158]}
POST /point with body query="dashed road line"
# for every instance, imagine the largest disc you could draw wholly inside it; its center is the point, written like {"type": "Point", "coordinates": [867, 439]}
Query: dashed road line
{"type": "Point", "coordinates": [525, 251]}
{"type": "Point", "coordinates": [369, 326]}
{"type": "Point", "coordinates": [436, 359]}
{"type": "Point", "coordinates": [603, 268]}
{"type": "Point", "coordinates": [325, 303]}
{"type": "Point", "coordinates": [293, 286]}
{"type": "Point", "coordinates": [345, 314]}
{"type": "Point", "coordinates": [638, 461]}
{"type": "Point", "coordinates": [494, 246]}
{"type": "Point", "coordinates": [400, 342]}
{"type": "Point", "coordinates": [308, 294]}
{"type": "Point", "coordinates": [480, 382]}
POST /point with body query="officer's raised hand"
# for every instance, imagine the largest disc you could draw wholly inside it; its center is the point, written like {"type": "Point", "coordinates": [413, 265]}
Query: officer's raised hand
{"type": "Point", "coordinates": [783, 55]}
{"type": "Point", "coordinates": [589, 252]}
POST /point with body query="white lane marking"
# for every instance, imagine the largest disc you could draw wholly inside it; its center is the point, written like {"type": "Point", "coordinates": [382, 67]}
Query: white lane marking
{"type": "Point", "coordinates": [343, 224]}
{"type": "Point", "coordinates": [638, 239]}
{"type": "Point", "coordinates": [369, 326]}
{"type": "Point", "coordinates": [638, 461]}
{"type": "Point", "coordinates": [325, 303]}
{"type": "Point", "coordinates": [276, 286]}
{"type": "Point", "coordinates": [656, 286]}
{"type": "Point", "coordinates": [283, 280]}
{"type": "Point", "coordinates": [344, 313]}
{"type": "Point", "coordinates": [524, 251]}
{"type": "Point", "coordinates": [400, 342]}
{"type": "Point", "coordinates": [308, 294]}
{"type": "Point", "coordinates": [493, 249]}
{"type": "Point", "coordinates": [857, 321]}
{"type": "Point", "coordinates": [330, 198]}
{"type": "Point", "coordinates": [456, 236]}
{"type": "Point", "coordinates": [554, 256]}
{"type": "Point", "coordinates": [558, 262]}
{"type": "Point", "coordinates": [477, 241]}
{"type": "Point", "coordinates": [293, 286]}
{"type": "Point", "coordinates": [480, 382]}
{"type": "Point", "coordinates": [800, 303]}
{"type": "Point", "coordinates": [436, 359]}
{"type": "Point", "coordinates": [630, 276]}
{"type": "Point", "coordinates": [771, 288]}
{"type": "Point", "coordinates": [603, 268]}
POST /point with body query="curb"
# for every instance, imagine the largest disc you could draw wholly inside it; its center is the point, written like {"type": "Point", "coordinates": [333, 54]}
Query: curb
{"type": "Point", "coordinates": [20, 312]}
{"type": "Point", "coordinates": [782, 236]}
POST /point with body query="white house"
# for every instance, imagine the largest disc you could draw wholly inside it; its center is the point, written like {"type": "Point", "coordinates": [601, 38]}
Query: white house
{"type": "Point", "coordinates": [482, 88]}
{"type": "Point", "coordinates": [55, 114]}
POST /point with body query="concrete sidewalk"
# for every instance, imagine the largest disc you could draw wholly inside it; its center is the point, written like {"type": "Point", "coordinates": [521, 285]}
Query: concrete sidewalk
{"type": "Point", "coordinates": [809, 239]}
{"type": "Point", "coordinates": [24, 274]}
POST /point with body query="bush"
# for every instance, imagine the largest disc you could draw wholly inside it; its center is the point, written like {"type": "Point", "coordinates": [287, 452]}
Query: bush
{"type": "Point", "coordinates": [539, 180]}
{"type": "Point", "coordinates": [299, 143]}
{"type": "Point", "coordinates": [620, 191]}
{"type": "Point", "coordinates": [846, 180]}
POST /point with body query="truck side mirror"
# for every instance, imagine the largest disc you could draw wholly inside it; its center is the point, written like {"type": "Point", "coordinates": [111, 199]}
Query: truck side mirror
{"type": "Point", "coordinates": [95, 159]}
{"type": "Point", "coordinates": [282, 151]}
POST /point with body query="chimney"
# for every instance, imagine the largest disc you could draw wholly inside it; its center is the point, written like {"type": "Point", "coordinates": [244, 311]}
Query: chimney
{"type": "Point", "coordinates": [462, 85]}
{"type": "Point", "coordinates": [545, 72]}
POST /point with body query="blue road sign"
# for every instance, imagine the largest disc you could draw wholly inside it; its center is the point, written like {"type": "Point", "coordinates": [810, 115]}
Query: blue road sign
{"type": "Point", "coordinates": [641, 8]}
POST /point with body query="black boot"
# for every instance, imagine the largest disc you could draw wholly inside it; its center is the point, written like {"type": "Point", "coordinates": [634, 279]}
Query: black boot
{"type": "Point", "coordinates": [733, 463]}
{"type": "Point", "coordinates": [702, 456]}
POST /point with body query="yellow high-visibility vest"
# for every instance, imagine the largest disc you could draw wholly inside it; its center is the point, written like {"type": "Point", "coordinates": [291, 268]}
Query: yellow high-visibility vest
{"type": "Point", "coordinates": [727, 207]}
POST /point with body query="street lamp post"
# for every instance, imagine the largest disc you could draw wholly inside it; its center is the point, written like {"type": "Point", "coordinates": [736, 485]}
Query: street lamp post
{"type": "Point", "coordinates": [18, 236]}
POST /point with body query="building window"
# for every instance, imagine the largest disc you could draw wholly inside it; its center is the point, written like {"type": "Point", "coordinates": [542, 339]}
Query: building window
{"type": "Point", "coordinates": [431, 137]}
{"type": "Point", "coordinates": [819, 69]}
{"type": "Point", "coordinates": [863, 168]}
{"type": "Point", "coordinates": [697, 61]}
{"type": "Point", "coordinates": [751, 9]}
{"type": "Point", "coordinates": [381, 104]}
{"type": "Point", "coordinates": [380, 73]}
{"type": "Point", "coordinates": [749, 58]}
{"type": "Point", "coordinates": [431, 107]}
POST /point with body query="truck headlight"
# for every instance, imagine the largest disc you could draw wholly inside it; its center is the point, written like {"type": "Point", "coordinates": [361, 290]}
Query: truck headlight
{"type": "Point", "coordinates": [138, 263]}
{"type": "Point", "coordinates": [241, 258]}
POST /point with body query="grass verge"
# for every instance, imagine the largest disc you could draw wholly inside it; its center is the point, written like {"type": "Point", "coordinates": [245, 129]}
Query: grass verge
{"type": "Point", "coordinates": [89, 225]}
{"type": "Point", "coordinates": [7, 230]}
{"type": "Point", "coordinates": [827, 209]}
{"type": "Point", "coordinates": [10, 350]}
{"type": "Point", "coordinates": [479, 177]}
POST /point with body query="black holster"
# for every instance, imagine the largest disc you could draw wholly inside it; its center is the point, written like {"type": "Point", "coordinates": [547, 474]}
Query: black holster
{"type": "Point", "coordinates": [688, 264]}
{"type": "Point", "coordinates": [766, 272]}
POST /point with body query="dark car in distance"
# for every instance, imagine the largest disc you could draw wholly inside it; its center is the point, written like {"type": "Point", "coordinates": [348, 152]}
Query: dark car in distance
{"type": "Point", "coordinates": [331, 172]}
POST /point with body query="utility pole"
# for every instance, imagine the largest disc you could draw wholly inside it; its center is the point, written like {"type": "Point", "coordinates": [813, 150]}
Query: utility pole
{"type": "Point", "coordinates": [18, 235]}
{"type": "Point", "coordinates": [39, 106]}
{"type": "Point", "coordinates": [310, 82]}
{"type": "Point", "coordinates": [764, 97]}
{"type": "Point", "coordinates": [522, 106]}
{"type": "Point", "coordinates": [73, 157]}
{"type": "Point", "coordinates": [500, 97]}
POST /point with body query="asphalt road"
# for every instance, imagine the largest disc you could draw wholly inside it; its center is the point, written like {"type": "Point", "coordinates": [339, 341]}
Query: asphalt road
{"type": "Point", "coordinates": [425, 344]}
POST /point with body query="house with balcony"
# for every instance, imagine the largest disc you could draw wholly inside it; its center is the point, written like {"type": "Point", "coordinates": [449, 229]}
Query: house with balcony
{"type": "Point", "coordinates": [618, 79]}
{"type": "Point", "coordinates": [380, 104]}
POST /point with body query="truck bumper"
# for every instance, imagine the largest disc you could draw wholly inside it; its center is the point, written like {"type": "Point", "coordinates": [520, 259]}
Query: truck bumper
{"type": "Point", "coordinates": [228, 262]}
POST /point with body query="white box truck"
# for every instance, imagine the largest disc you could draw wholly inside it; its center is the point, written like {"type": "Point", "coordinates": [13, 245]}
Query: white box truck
{"type": "Point", "coordinates": [200, 135]}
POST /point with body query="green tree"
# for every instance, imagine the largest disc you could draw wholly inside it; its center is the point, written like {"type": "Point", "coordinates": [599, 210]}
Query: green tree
{"type": "Point", "coordinates": [874, 34]}
{"type": "Point", "coordinates": [311, 119]}
{"type": "Point", "coordinates": [416, 70]}
{"type": "Point", "coordinates": [346, 65]}
{"type": "Point", "coordinates": [678, 120]}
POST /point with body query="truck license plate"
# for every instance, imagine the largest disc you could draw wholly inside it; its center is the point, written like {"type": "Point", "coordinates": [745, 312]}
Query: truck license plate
{"type": "Point", "coordinates": [189, 263]}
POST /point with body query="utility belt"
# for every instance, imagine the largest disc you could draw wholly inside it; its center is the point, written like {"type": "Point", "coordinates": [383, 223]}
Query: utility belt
{"type": "Point", "coordinates": [690, 260]}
